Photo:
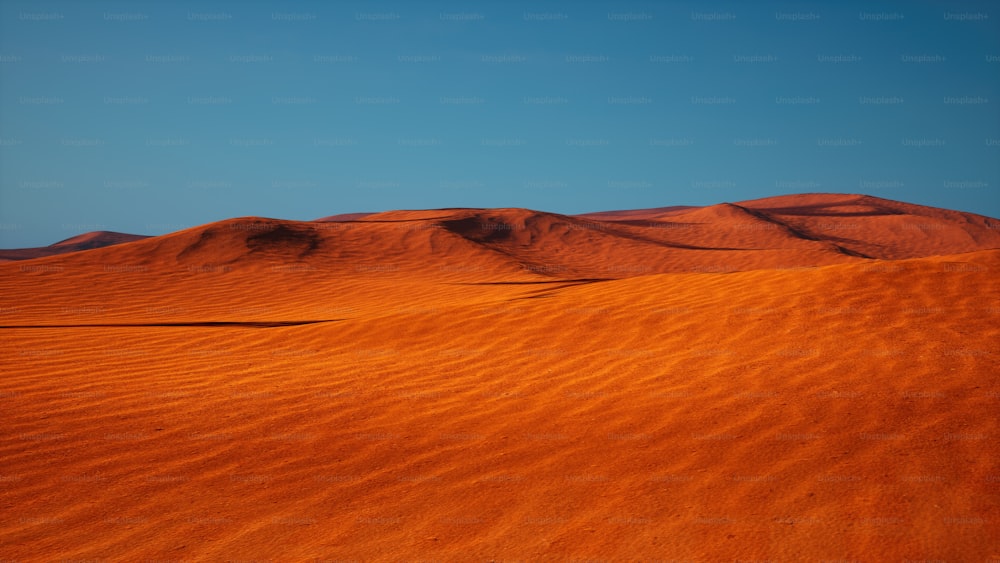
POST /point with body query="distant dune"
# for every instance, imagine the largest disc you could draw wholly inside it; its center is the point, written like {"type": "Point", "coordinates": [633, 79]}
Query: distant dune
{"type": "Point", "coordinates": [86, 241]}
{"type": "Point", "coordinates": [797, 378]}
{"type": "Point", "coordinates": [634, 214]}
{"type": "Point", "coordinates": [344, 217]}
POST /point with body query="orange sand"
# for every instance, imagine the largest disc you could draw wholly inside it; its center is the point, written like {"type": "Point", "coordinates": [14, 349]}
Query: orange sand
{"type": "Point", "coordinates": [692, 385]}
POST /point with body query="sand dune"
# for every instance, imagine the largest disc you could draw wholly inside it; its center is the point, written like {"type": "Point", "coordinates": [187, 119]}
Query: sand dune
{"type": "Point", "coordinates": [508, 384]}
{"type": "Point", "coordinates": [433, 258]}
{"type": "Point", "coordinates": [881, 228]}
{"type": "Point", "coordinates": [636, 214]}
{"type": "Point", "coordinates": [86, 241]}
{"type": "Point", "coordinates": [343, 217]}
{"type": "Point", "coordinates": [765, 233]}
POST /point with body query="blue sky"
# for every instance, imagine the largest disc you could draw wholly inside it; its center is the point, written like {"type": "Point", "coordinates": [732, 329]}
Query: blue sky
{"type": "Point", "coordinates": [148, 117]}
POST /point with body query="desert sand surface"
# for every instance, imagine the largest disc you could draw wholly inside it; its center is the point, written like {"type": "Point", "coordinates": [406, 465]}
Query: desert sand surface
{"type": "Point", "coordinates": [798, 378]}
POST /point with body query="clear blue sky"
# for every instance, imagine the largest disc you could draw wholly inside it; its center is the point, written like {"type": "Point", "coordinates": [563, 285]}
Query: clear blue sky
{"type": "Point", "coordinates": [148, 117]}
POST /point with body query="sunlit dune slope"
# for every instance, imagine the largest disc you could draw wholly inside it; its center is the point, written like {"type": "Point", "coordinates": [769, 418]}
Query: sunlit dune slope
{"type": "Point", "coordinates": [842, 412]}
{"type": "Point", "coordinates": [330, 265]}
{"type": "Point", "coordinates": [880, 228]}
{"type": "Point", "coordinates": [845, 224]}
{"type": "Point", "coordinates": [255, 267]}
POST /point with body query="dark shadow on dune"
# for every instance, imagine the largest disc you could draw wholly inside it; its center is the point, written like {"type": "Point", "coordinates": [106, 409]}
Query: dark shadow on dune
{"type": "Point", "coordinates": [203, 239]}
{"type": "Point", "coordinates": [282, 237]}
{"type": "Point", "coordinates": [667, 244]}
{"type": "Point", "coordinates": [823, 210]}
{"type": "Point", "coordinates": [478, 229]}
{"type": "Point", "coordinates": [569, 281]}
